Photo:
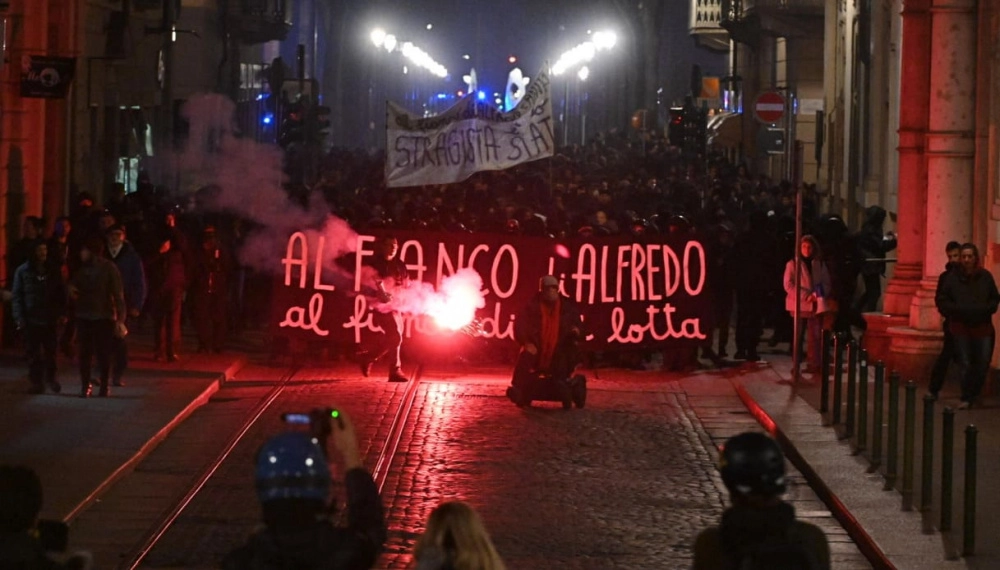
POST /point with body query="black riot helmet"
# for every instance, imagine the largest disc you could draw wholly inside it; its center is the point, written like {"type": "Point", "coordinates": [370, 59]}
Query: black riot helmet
{"type": "Point", "coordinates": [752, 464]}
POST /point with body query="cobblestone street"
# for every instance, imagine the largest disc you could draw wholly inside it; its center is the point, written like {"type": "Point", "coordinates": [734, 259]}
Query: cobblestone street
{"type": "Point", "coordinates": [625, 483]}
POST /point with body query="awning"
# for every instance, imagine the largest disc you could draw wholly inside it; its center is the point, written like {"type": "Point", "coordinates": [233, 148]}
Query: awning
{"type": "Point", "coordinates": [725, 130]}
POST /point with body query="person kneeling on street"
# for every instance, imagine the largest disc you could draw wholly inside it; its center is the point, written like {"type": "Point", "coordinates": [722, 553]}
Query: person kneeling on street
{"type": "Point", "coordinates": [293, 484]}
{"type": "Point", "coordinates": [548, 330]}
{"type": "Point", "coordinates": [760, 530]}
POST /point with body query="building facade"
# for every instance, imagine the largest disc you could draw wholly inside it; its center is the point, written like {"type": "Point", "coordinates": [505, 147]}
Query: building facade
{"type": "Point", "coordinates": [949, 165]}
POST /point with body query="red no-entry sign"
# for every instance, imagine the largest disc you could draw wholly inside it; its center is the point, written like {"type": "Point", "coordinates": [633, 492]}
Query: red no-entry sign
{"type": "Point", "coordinates": [769, 107]}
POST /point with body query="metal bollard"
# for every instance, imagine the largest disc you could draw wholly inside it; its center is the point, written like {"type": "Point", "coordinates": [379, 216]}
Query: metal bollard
{"type": "Point", "coordinates": [892, 451]}
{"type": "Point", "coordinates": [824, 387]}
{"type": "Point", "coordinates": [876, 454]}
{"type": "Point", "coordinates": [947, 466]}
{"type": "Point", "coordinates": [909, 425]}
{"type": "Point", "coordinates": [838, 376]}
{"type": "Point", "coordinates": [927, 455]}
{"type": "Point", "coordinates": [969, 526]}
{"type": "Point", "coordinates": [862, 439]}
{"type": "Point", "coordinates": [852, 387]}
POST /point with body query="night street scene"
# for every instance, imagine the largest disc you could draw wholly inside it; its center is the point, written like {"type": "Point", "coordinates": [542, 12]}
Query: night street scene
{"type": "Point", "coordinates": [523, 285]}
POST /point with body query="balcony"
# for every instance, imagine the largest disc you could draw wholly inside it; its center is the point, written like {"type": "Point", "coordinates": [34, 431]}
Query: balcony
{"type": "Point", "coordinates": [746, 20]}
{"type": "Point", "coordinates": [260, 21]}
{"type": "Point", "coordinates": [706, 20]}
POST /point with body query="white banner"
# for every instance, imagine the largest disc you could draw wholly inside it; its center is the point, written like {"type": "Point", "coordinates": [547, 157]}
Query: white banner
{"type": "Point", "coordinates": [467, 138]}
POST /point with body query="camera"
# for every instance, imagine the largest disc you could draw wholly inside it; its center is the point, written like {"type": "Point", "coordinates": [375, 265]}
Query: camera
{"type": "Point", "coordinates": [319, 420]}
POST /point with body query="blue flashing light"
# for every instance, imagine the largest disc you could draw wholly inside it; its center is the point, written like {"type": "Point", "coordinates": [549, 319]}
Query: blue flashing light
{"type": "Point", "coordinates": [481, 95]}
{"type": "Point", "coordinates": [262, 96]}
{"type": "Point", "coordinates": [442, 95]}
{"type": "Point", "coordinates": [268, 119]}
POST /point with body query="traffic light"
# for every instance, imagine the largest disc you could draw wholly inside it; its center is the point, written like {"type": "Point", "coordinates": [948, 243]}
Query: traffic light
{"type": "Point", "coordinates": [319, 125]}
{"type": "Point", "coordinates": [292, 126]}
{"type": "Point", "coordinates": [675, 131]}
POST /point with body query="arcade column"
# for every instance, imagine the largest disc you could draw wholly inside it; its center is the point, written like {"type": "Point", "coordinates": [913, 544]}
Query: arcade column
{"type": "Point", "coordinates": [950, 152]}
{"type": "Point", "coordinates": [914, 112]}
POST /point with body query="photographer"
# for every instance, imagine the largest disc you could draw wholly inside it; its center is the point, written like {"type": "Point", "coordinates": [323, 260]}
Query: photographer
{"type": "Point", "coordinates": [293, 484]}
{"type": "Point", "coordinates": [25, 542]}
{"type": "Point", "coordinates": [759, 531]}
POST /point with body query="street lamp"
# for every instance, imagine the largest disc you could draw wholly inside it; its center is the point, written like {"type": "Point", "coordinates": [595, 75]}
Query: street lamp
{"type": "Point", "coordinates": [378, 37]}
{"type": "Point", "coordinates": [580, 55]}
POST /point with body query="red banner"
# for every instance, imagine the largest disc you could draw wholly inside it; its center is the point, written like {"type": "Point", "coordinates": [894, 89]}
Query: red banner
{"type": "Point", "coordinates": [631, 293]}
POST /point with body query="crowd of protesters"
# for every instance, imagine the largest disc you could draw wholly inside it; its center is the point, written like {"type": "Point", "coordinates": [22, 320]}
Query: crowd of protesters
{"type": "Point", "coordinates": [105, 270]}
{"type": "Point", "coordinates": [175, 260]}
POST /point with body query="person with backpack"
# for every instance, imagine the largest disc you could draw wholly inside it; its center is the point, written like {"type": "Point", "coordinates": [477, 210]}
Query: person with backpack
{"type": "Point", "coordinates": [293, 484]}
{"type": "Point", "coordinates": [759, 531]}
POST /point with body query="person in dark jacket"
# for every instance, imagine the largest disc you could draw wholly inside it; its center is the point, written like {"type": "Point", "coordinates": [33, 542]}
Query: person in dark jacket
{"type": "Point", "coordinates": [168, 282]}
{"type": "Point", "coordinates": [96, 289]}
{"type": "Point", "coordinates": [874, 244]}
{"type": "Point", "coordinates": [26, 543]}
{"type": "Point", "coordinates": [940, 370]}
{"type": "Point", "coordinates": [968, 298]}
{"type": "Point", "coordinates": [209, 290]}
{"type": "Point", "coordinates": [133, 276]}
{"type": "Point", "coordinates": [753, 470]}
{"type": "Point", "coordinates": [38, 302]}
{"type": "Point", "coordinates": [755, 264]}
{"type": "Point", "coordinates": [293, 485]}
{"type": "Point", "coordinates": [391, 275]}
{"type": "Point", "coordinates": [548, 329]}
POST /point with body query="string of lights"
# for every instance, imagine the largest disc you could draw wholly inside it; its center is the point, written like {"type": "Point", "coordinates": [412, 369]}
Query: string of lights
{"type": "Point", "coordinates": [414, 54]}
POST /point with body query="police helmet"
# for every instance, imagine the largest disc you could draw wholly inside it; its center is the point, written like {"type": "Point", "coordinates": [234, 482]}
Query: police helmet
{"type": "Point", "coordinates": [292, 466]}
{"type": "Point", "coordinates": [752, 464]}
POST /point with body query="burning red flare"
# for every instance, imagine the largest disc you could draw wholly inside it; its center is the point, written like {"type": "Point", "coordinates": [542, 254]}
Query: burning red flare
{"type": "Point", "coordinates": [452, 307]}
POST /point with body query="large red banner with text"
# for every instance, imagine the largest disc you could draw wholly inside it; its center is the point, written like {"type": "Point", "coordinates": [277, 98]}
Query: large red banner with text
{"type": "Point", "coordinates": [650, 292]}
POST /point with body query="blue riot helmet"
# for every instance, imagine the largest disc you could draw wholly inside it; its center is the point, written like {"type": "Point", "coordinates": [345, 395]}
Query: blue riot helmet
{"type": "Point", "coordinates": [292, 466]}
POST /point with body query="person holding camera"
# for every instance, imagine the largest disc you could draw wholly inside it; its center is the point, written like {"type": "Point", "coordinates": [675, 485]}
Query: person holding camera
{"type": "Point", "coordinates": [759, 531]}
{"type": "Point", "coordinates": [548, 330]}
{"type": "Point", "coordinates": [27, 543]}
{"type": "Point", "coordinates": [293, 484]}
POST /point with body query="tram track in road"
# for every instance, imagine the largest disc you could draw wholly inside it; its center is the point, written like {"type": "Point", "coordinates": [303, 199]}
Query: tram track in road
{"type": "Point", "coordinates": [399, 421]}
{"type": "Point", "coordinates": [137, 555]}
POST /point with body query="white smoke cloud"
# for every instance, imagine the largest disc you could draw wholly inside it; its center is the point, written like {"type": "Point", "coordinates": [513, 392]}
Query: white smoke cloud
{"type": "Point", "coordinates": [247, 177]}
{"type": "Point", "coordinates": [452, 306]}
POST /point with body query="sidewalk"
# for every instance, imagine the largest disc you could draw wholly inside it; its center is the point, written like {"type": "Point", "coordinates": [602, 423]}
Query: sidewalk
{"type": "Point", "coordinates": [906, 540]}
{"type": "Point", "coordinates": [80, 445]}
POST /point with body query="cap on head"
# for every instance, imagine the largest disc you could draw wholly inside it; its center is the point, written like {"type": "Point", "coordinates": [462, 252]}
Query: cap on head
{"type": "Point", "coordinates": [752, 464]}
{"type": "Point", "coordinates": [292, 466]}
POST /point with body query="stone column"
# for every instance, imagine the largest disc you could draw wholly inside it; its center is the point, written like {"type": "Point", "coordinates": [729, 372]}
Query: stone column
{"type": "Point", "coordinates": [914, 95]}
{"type": "Point", "coordinates": [913, 105]}
{"type": "Point", "coordinates": [950, 151]}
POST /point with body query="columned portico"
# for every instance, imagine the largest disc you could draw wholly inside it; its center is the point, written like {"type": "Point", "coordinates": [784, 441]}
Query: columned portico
{"type": "Point", "coordinates": [949, 151]}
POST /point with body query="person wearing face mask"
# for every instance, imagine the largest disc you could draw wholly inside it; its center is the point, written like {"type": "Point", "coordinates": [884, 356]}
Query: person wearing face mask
{"type": "Point", "coordinates": [548, 330]}
{"type": "Point", "coordinates": [813, 291]}
{"type": "Point", "coordinates": [968, 298]}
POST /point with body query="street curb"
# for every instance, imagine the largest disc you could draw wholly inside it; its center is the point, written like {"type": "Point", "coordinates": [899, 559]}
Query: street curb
{"type": "Point", "coordinates": [866, 544]}
{"type": "Point", "coordinates": [156, 440]}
